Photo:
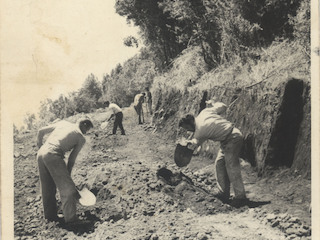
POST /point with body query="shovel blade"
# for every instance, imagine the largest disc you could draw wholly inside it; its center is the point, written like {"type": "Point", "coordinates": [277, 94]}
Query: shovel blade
{"type": "Point", "coordinates": [87, 198]}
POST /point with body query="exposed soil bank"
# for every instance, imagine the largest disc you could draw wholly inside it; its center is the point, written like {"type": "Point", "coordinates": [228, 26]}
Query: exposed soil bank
{"type": "Point", "coordinates": [274, 121]}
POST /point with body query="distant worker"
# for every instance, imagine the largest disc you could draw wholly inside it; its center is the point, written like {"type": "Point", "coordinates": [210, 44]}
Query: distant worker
{"type": "Point", "coordinates": [137, 103]}
{"type": "Point", "coordinates": [117, 112]}
{"type": "Point", "coordinates": [209, 125]}
{"type": "Point", "coordinates": [54, 172]}
{"type": "Point", "coordinates": [203, 103]}
{"type": "Point", "coordinates": [148, 101]}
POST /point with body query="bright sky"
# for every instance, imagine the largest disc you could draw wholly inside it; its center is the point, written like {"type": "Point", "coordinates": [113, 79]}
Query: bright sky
{"type": "Point", "coordinates": [49, 47]}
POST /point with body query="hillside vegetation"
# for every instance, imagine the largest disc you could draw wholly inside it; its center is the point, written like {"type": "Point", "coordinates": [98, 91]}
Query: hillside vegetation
{"type": "Point", "coordinates": [242, 53]}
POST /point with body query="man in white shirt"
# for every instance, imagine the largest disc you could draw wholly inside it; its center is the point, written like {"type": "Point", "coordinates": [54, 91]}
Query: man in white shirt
{"type": "Point", "coordinates": [54, 172]}
{"type": "Point", "coordinates": [117, 112]}
{"type": "Point", "coordinates": [218, 107]}
{"type": "Point", "coordinates": [209, 125]}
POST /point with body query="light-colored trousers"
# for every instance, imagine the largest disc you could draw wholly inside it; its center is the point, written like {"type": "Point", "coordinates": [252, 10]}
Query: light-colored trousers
{"type": "Point", "coordinates": [227, 165]}
{"type": "Point", "coordinates": [139, 111]}
{"type": "Point", "coordinates": [149, 107]}
{"type": "Point", "coordinates": [54, 174]}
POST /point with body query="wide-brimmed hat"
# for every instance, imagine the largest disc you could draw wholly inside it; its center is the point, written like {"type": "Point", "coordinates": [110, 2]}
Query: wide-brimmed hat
{"type": "Point", "coordinates": [182, 155]}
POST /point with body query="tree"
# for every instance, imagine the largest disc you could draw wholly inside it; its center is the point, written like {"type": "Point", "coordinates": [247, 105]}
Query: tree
{"type": "Point", "coordinates": [156, 26]}
{"type": "Point", "coordinates": [130, 78]}
{"type": "Point", "coordinates": [47, 113]}
{"type": "Point", "coordinates": [105, 83]}
{"type": "Point", "coordinates": [223, 29]}
{"type": "Point", "coordinates": [91, 88]}
{"type": "Point", "coordinates": [118, 69]}
{"type": "Point", "coordinates": [301, 25]}
{"type": "Point", "coordinates": [84, 103]}
{"type": "Point", "coordinates": [15, 130]}
{"type": "Point", "coordinates": [271, 15]}
{"type": "Point", "coordinates": [29, 120]}
{"type": "Point", "coordinates": [131, 41]}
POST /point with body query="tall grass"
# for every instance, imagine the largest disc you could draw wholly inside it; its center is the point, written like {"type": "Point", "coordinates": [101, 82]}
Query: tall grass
{"type": "Point", "coordinates": [269, 66]}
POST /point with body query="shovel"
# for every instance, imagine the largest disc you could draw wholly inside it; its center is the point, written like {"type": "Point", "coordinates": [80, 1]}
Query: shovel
{"type": "Point", "coordinates": [104, 125]}
{"type": "Point", "coordinates": [87, 198]}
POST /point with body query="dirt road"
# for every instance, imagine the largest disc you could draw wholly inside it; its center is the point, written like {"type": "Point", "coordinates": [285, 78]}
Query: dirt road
{"type": "Point", "coordinates": [141, 194]}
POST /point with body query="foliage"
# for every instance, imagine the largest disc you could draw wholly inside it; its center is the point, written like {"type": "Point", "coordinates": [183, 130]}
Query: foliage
{"type": "Point", "coordinates": [272, 66]}
{"type": "Point", "coordinates": [276, 63]}
{"type": "Point", "coordinates": [84, 103]}
{"type": "Point", "coordinates": [155, 27]}
{"type": "Point", "coordinates": [47, 112]}
{"type": "Point", "coordinates": [271, 15]}
{"type": "Point", "coordinates": [29, 120]}
{"type": "Point", "coordinates": [186, 70]}
{"type": "Point", "coordinates": [15, 130]}
{"type": "Point", "coordinates": [91, 88]}
{"type": "Point", "coordinates": [85, 100]}
{"type": "Point", "coordinates": [223, 29]}
{"type": "Point", "coordinates": [131, 41]}
{"type": "Point", "coordinates": [301, 25]}
{"type": "Point", "coordinates": [124, 82]}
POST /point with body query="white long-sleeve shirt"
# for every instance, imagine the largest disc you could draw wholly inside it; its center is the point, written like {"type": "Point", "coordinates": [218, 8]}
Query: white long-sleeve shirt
{"type": "Point", "coordinates": [65, 136]}
{"type": "Point", "coordinates": [219, 107]}
{"type": "Point", "coordinates": [115, 108]}
{"type": "Point", "coordinates": [138, 99]}
{"type": "Point", "coordinates": [210, 125]}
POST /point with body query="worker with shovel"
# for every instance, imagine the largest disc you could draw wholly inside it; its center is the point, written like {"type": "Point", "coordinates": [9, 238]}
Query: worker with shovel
{"type": "Point", "coordinates": [209, 125]}
{"type": "Point", "coordinates": [117, 112]}
{"type": "Point", "coordinates": [137, 104]}
{"type": "Point", "coordinates": [55, 173]}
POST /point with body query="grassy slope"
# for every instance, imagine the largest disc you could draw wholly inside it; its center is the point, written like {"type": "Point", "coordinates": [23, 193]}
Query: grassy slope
{"type": "Point", "coordinates": [271, 66]}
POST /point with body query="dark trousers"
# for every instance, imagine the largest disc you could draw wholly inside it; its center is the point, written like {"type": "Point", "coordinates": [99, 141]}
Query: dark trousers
{"type": "Point", "coordinates": [139, 110]}
{"type": "Point", "coordinates": [118, 122]}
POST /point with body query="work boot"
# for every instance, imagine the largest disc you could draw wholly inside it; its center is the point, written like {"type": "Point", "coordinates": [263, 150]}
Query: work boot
{"type": "Point", "coordinates": [78, 225]}
{"type": "Point", "coordinates": [239, 202]}
{"type": "Point", "coordinates": [222, 197]}
{"type": "Point", "coordinates": [56, 219]}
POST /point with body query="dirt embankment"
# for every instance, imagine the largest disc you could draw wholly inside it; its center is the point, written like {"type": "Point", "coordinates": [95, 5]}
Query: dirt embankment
{"type": "Point", "coordinates": [275, 121]}
{"type": "Point", "coordinates": [141, 194]}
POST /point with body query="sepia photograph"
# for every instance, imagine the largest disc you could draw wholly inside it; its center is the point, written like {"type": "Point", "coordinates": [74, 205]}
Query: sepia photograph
{"type": "Point", "coordinates": [160, 119]}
